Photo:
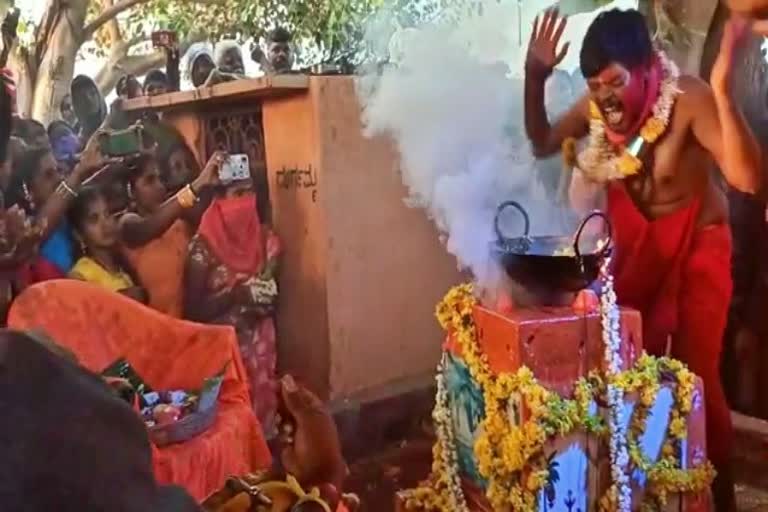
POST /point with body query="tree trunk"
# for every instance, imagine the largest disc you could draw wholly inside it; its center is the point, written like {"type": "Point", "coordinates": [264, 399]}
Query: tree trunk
{"type": "Point", "coordinates": [117, 66]}
{"type": "Point", "coordinates": [59, 40]}
{"type": "Point", "coordinates": [681, 27]}
{"type": "Point", "coordinates": [120, 63]}
{"type": "Point", "coordinates": [23, 74]}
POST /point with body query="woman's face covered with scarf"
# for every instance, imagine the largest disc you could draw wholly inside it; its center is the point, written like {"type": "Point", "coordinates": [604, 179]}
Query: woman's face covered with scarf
{"type": "Point", "coordinates": [202, 66]}
{"type": "Point", "coordinates": [68, 443]}
{"type": "Point", "coordinates": [231, 60]}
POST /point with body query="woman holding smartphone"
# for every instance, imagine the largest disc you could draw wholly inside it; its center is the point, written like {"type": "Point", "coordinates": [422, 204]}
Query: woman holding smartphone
{"type": "Point", "coordinates": [156, 230]}
{"type": "Point", "coordinates": [230, 280]}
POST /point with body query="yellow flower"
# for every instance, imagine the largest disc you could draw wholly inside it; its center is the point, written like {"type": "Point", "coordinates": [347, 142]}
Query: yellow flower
{"type": "Point", "coordinates": [594, 111]}
{"type": "Point", "coordinates": [653, 129]}
{"type": "Point", "coordinates": [569, 153]}
{"type": "Point", "coordinates": [629, 165]}
{"type": "Point", "coordinates": [536, 480]}
{"type": "Point", "coordinates": [678, 428]}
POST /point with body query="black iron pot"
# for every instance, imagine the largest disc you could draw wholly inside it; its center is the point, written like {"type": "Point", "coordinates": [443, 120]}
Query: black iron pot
{"type": "Point", "coordinates": [551, 263]}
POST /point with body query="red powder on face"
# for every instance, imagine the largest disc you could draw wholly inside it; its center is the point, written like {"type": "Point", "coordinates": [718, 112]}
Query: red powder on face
{"type": "Point", "coordinates": [638, 98]}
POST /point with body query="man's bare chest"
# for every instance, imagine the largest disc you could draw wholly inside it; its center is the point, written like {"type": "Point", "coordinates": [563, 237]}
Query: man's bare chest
{"type": "Point", "coordinates": [671, 172]}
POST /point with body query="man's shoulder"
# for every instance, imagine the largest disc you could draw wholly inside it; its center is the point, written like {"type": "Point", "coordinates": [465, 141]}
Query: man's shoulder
{"type": "Point", "coordinates": [695, 95]}
{"type": "Point", "coordinates": [692, 87]}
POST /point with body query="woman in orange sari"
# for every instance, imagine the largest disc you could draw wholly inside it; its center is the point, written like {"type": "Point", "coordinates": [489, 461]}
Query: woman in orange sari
{"type": "Point", "coordinates": [230, 280]}
{"type": "Point", "coordinates": [157, 230]}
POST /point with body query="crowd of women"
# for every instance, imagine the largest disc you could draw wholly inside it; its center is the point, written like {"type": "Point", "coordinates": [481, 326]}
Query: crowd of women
{"type": "Point", "coordinates": [153, 225]}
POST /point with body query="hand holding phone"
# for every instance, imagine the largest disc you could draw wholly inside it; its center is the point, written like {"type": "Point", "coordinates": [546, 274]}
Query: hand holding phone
{"type": "Point", "coordinates": [122, 142]}
{"type": "Point", "coordinates": [235, 168]}
{"type": "Point", "coordinates": [165, 39]}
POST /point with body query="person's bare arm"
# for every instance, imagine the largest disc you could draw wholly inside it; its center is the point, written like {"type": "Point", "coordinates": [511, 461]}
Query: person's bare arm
{"type": "Point", "coordinates": [547, 139]}
{"type": "Point", "coordinates": [542, 58]}
{"type": "Point", "coordinates": [136, 231]}
{"type": "Point", "coordinates": [718, 124]}
{"type": "Point", "coordinates": [54, 209]}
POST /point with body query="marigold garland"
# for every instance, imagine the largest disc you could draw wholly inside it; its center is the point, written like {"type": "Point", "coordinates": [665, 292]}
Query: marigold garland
{"type": "Point", "coordinates": [511, 457]}
{"type": "Point", "coordinates": [600, 161]}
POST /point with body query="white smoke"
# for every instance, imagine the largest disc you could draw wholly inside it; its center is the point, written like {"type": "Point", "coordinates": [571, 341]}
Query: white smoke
{"type": "Point", "coordinates": [452, 101]}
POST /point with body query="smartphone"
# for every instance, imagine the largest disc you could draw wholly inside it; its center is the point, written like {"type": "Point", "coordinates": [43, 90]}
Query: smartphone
{"type": "Point", "coordinates": [235, 168]}
{"type": "Point", "coordinates": [122, 142]}
{"type": "Point", "coordinates": [164, 39]}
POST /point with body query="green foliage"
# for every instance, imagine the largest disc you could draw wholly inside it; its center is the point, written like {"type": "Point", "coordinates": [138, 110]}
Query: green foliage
{"type": "Point", "coordinates": [327, 30]}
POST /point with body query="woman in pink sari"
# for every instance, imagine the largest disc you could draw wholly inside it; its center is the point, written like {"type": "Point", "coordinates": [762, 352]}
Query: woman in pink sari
{"type": "Point", "coordinates": [230, 280]}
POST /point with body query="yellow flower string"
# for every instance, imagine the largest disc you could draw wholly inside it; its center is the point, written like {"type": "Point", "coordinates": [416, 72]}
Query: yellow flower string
{"type": "Point", "coordinates": [511, 457]}
{"type": "Point", "coordinates": [602, 161]}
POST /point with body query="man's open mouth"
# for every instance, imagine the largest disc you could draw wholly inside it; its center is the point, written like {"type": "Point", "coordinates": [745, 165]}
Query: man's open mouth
{"type": "Point", "coordinates": [613, 114]}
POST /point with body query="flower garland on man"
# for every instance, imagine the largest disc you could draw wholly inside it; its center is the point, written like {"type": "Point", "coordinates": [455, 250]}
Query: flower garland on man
{"type": "Point", "coordinates": [652, 137]}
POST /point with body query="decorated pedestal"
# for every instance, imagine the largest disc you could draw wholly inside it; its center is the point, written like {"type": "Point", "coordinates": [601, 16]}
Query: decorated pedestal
{"type": "Point", "coordinates": [522, 416]}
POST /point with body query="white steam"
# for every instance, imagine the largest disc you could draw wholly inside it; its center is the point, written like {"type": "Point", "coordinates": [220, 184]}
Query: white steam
{"type": "Point", "coordinates": [452, 101]}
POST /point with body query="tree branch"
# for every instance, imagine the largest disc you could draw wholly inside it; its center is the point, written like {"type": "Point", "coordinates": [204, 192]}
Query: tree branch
{"type": "Point", "coordinates": [112, 26]}
{"type": "Point", "coordinates": [122, 6]}
{"type": "Point", "coordinates": [108, 14]}
{"type": "Point", "coordinates": [120, 63]}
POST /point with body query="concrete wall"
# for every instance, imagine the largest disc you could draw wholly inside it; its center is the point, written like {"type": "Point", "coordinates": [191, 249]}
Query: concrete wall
{"type": "Point", "coordinates": [386, 267]}
{"type": "Point", "coordinates": [361, 273]}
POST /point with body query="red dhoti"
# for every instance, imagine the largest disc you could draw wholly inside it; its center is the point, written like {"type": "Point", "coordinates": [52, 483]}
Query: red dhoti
{"type": "Point", "coordinates": [679, 278]}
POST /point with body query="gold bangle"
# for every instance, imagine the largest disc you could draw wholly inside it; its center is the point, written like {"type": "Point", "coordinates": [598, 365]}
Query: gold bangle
{"type": "Point", "coordinates": [186, 197]}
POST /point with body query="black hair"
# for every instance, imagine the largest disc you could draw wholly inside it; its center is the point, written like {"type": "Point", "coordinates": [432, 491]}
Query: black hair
{"type": "Point", "coordinates": [24, 171]}
{"type": "Point", "coordinates": [164, 158]}
{"type": "Point", "coordinates": [280, 35]}
{"type": "Point", "coordinates": [155, 75]}
{"type": "Point", "coordinates": [27, 129]}
{"type": "Point", "coordinates": [136, 167]}
{"type": "Point", "coordinates": [98, 431]}
{"type": "Point", "coordinates": [58, 128]}
{"type": "Point", "coordinates": [123, 83]}
{"type": "Point", "coordinates": [81, 82]}
{"type": "Point", "coordinates": [78, 209]}
{"type": "Point", "coordinates": [6, 120]}
{"type": "Point", "coordinates": [619, 36]}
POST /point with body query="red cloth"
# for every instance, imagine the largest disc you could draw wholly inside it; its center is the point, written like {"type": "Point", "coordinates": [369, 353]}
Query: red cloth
{"type": "Point", "coordinates": [679, 277]}
{"type": "Point", "coordinates": [38, 271]}
{"type": "Point", "coordinates": [100, 327]}
{"type": "Point", "coordinates": [232, 231]}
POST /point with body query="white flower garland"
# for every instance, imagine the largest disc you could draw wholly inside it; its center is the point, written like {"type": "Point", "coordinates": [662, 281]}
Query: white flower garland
{"type": "Point", "coordinates": [599, 161]}
{"type": "Point", "coordinates": [446, 437]}
{"type": "Point", "coordinates": [610, 318]}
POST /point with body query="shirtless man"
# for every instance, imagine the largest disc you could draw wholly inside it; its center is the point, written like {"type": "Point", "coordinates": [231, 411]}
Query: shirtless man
{"type": "Point", "coordinates": [671, 236]}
